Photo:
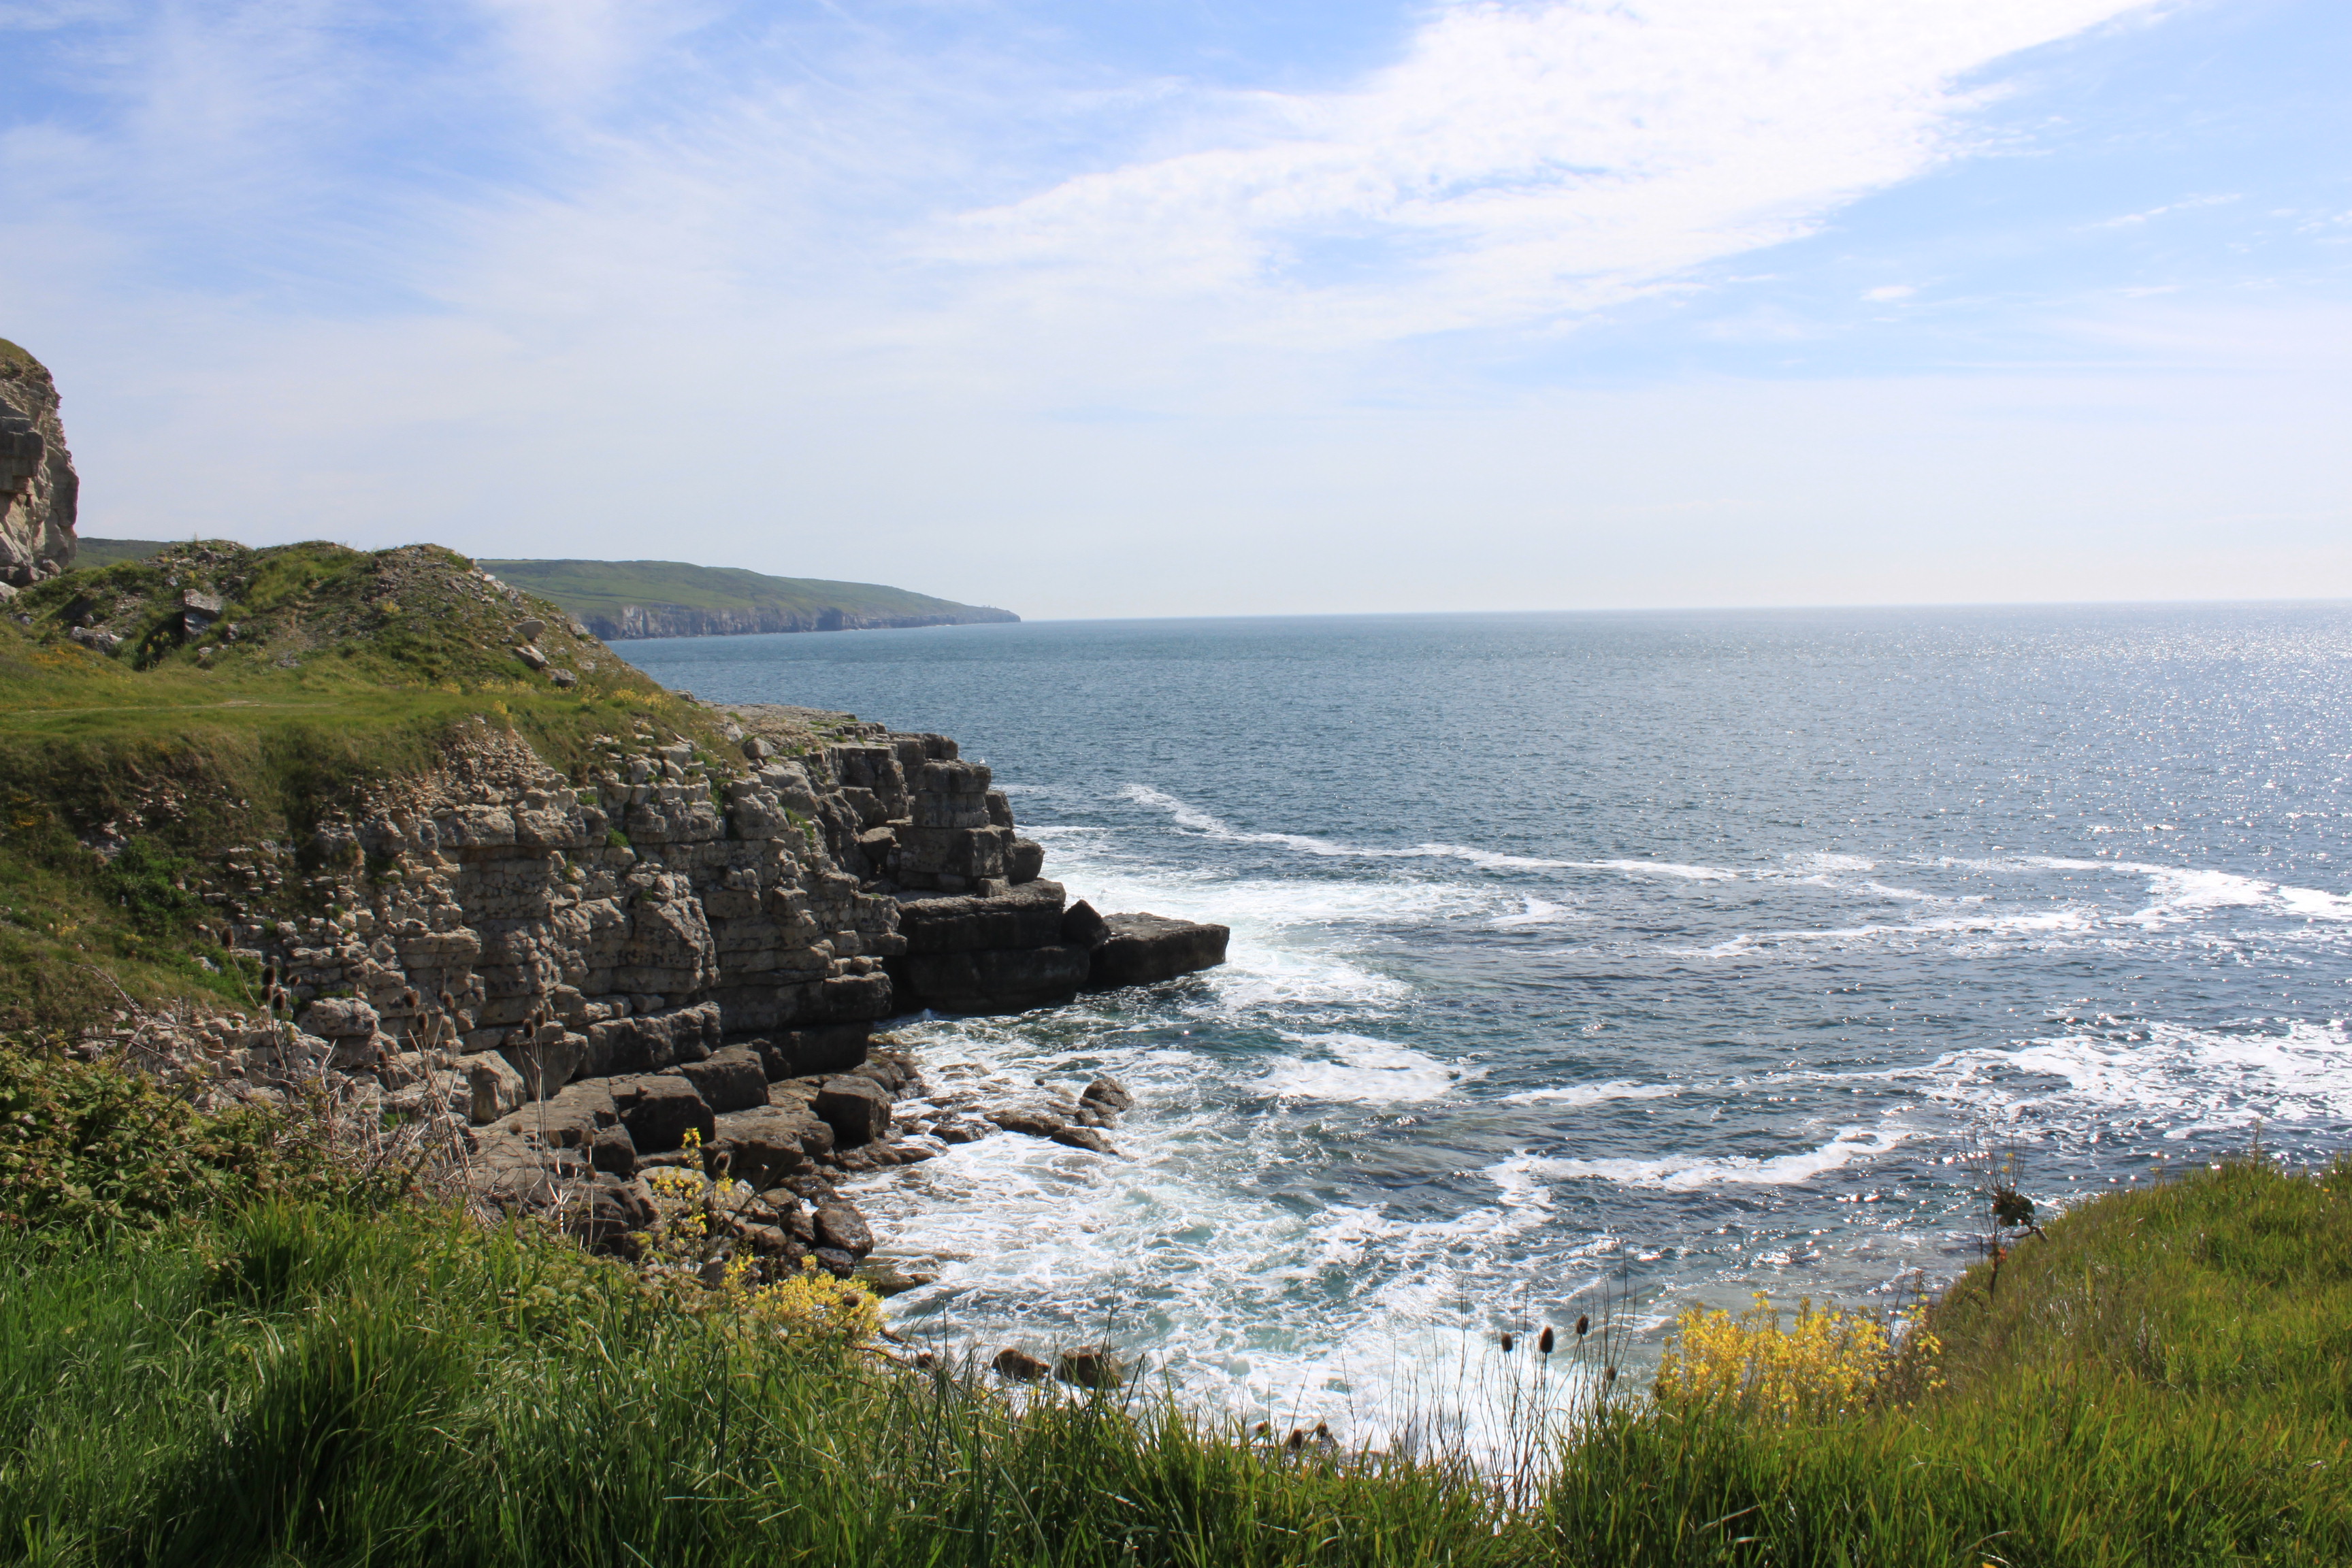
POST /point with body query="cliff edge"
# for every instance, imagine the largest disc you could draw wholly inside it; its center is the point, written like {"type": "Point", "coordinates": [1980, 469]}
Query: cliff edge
{"type": "Point", "coordinates": [38, 487]}
{"type": "Point", "coordinates": [626, 599]}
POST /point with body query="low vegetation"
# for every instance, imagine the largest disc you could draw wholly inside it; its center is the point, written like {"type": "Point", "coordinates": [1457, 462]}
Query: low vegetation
{"type": "Point", "coordinates": [262, 1362]}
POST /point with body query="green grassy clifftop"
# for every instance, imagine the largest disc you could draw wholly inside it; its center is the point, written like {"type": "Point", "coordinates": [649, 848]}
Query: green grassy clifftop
{"type": "Point", "coordinates": [164, 710]}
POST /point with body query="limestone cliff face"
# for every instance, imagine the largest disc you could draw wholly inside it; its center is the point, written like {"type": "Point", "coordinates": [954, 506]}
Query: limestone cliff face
{"type": "Point", "coordinates": [681, 621]}
{"type": "Point", "coordinates": [38, 487]}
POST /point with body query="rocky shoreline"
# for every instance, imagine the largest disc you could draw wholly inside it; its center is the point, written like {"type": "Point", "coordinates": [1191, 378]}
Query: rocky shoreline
{"type": "Point", "coordinates": [678, 965]}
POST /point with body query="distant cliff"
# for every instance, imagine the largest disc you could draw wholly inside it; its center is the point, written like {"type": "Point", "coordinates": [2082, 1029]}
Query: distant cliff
{"type": "Point", "coordinates": [38, 487]}
{"type": "Point", "coordinates": [626, 599]}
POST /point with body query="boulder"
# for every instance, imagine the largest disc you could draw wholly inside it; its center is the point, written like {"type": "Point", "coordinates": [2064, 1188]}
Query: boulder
{"type": "Point", "coordinates": [807, 1053]}
{"type": "Point", "coordinates": [1090, 1366]}
{"type": "Point", "coordinates": [1109, 1094]}
{"type": "Point", "coordinates": [573, 1118]}
{"type": "Point", "coordinates": [1037, 1123]}
{"type": "Point", "coordinates": [660, 1110]}
{"type": "Point", "coordinates": [339, 1018]}
{"type": "Point", "coordinates": [999, 980]}
{"type": "Point", "coordinates": [888, 1277]}
{"type": "Point", "coordinates": [835, 1262]}
{"type": "Point", "coordinates": [496, 1088]}
{"type": "Point", "coordinates": [614, 1153]}
{"type": "Point", "coordinates": [771, 1141]}
{"type": "Point", "coordinates": [648, 1044]}
{"type": "Point", "coordinates": [731, 1079]}
{"type": "Point", "coordinates": [1028, 916]}
{"type": "Point", "coordinates": [840, 1226]}
{"type": "Point", "coordinates": [1082, 924]}
{"type": "Point", "coordinates": [1142, 949]}
{"type": "Point", "coordinates": [608, 1208]}
{"type": "Point", "coordinates": [856, 1109]}
{"type": "Point", "coordinates": [1020, 1367]}
{"type": "Point", "coordinates": [547, 1062]}
{"type": "Point", "coordinates": [1024, 862]}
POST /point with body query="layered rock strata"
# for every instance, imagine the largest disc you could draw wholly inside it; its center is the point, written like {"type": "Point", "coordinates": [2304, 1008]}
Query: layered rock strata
{"type": "Point", "coordinates": [39, 491]}
{"type": "Point", "coordinates": [677, 962]}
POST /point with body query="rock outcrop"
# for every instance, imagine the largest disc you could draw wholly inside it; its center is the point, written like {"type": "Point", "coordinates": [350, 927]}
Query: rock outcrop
{"type": "Point", "coordinates": [631, 621]}
{"type": "Point", "coordinates": [38, 488]}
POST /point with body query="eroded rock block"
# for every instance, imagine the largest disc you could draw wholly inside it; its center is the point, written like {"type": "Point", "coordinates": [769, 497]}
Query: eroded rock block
{"type": "Point", "coordinates": [1028, 916]}
{"type": "Point", "coordinates": [807, 1053]}
{"type": "Point", "coordinates": [733, 1080]}
{"type": "Point", "coordinates": [660, 1110]}
{"type": "Point", "coordinates": [856, 1109]}
{"type": "Point", "coordinates": [339, 1018]}
{"type": "Point", "coordinates": [496, 1088]}
{"type": "Point", "coordinates": [764, 1145]}
{"type": "Point", "coordinates": [1142, 949]}
{"type": "Point", "coordinates": [999, 980]}
{"type": "Point", "coordinates": [841, 1227]}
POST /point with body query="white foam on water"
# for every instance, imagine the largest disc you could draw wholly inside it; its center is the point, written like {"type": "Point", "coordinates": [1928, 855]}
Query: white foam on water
{"type": "Point", "coordinates": [1667, 868]}
{"type": "Point", "coordinates": [2183, 893]}
{"type": "Point", "coordinates": [1362, 1070]}
{"type": "Point", "coordinates": [1347, 1313]}
{"type": "Point", "coordinates": [2057, 922]}
{"type": "Point", "coordinates": [2175, 1078]}
{"type": "Point", "coordinates": [1525, 1178]}
{"type": "Point", "coordinates": [1594, 1093]}
{"type": "Point", "coordinates": [1540, 912]}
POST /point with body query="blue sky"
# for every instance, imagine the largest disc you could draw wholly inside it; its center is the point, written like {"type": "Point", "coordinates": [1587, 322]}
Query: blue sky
{"type": "Point", "coordinates": [1191, 307]}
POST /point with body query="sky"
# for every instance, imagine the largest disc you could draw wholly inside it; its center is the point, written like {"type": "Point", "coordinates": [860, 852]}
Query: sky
{"type": "Point", "coordinates": [1194, 306]}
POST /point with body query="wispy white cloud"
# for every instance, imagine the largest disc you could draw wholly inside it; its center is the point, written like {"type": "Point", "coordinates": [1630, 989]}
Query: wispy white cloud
{"type": "Point", "coordinates": [1526, 162]}
{"type": "Point", "coordinates": [926, 293]}
{"type": "Point", "coordinates": [2192, 204]}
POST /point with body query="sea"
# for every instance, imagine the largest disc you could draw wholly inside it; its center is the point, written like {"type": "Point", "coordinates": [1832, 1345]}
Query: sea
{"type": "Point", "coordinates": [1609, 965]}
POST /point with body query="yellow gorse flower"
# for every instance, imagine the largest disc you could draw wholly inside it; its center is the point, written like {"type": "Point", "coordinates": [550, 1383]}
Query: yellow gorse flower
{"type": "Point", "coordinates": [1825, 1364]}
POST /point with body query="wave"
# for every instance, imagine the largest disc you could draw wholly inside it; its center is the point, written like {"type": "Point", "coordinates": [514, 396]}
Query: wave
{"type": "Point", "coordinates": [1593, 1093]}
{"type": "Point", "coordinates": [1362, 1070]}
{"type": "Point", "coordinates": [1524, 1177]}
{"type": "Point", "coordinates": [2190, 1079]}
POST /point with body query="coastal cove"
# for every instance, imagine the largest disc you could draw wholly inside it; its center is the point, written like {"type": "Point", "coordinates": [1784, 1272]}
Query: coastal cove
{"type": "Point", "coordinates": [1676, 954]}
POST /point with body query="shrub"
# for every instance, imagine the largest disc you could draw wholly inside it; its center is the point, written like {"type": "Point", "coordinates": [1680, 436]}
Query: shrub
{"type": "Point", "coordinates": [95, 1144]}
{"type": "Point", "coordinates": [1827, 1363]}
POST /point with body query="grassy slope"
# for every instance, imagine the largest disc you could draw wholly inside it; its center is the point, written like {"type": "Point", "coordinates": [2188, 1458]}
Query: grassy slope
{"type": "Point", "coordinates": [91, 552]}
{"type": "Point", "coordinates": [348, 665]}
{"type": "Point", "coordinates": [2160, 1381]}
{"type": "Point", "coordinates": [606, 588]}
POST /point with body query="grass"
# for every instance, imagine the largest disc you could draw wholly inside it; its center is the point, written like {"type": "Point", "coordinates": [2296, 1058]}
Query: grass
{"type": "Point", "coordinates": [91, 552]}
{"type": "Point", "coordinates": [278, 1376]}
{"type": "Point", "coordinates": [345, 668]}
{"type": "Point", "coordinates": [602, 588]}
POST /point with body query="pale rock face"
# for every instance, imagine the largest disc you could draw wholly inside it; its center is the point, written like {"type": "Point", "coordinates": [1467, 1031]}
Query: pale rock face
{"type": "Point", "coordinates": [38, 487]}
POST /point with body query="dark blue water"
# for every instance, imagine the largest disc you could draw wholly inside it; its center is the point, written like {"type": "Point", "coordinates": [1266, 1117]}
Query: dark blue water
{"type": "Point", "coordinates": [1685, 953]}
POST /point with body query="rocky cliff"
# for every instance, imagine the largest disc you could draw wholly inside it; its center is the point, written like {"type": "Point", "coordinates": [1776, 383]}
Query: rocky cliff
{"type": "Point", "coordinates": [630, 621]}
{"type": "Point", "coordinates": [485, 876]}
{"type": "Point", "coordinates": [684, 955]}
{"type": "Point", "coordinates": [38, 487]}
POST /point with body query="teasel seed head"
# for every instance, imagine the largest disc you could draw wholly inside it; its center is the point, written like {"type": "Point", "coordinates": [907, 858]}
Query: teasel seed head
{"type": "Point", "coordinates": [1507, 1344]}
{"type": "Point", "coordinates": [1582, 1324]}
{"type": "Point", "coordinates": [1543, 1341]}
{"type": "Point", "coordinates": [1297, 1439]}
